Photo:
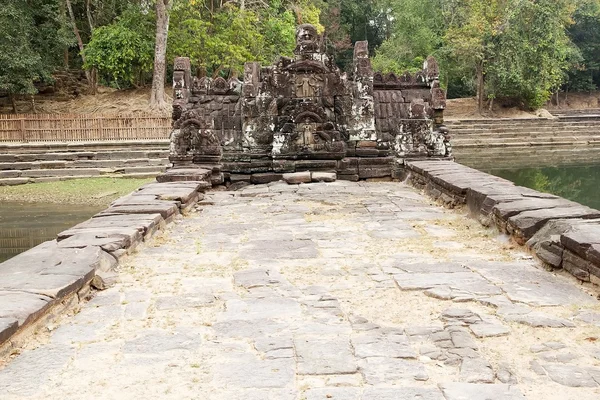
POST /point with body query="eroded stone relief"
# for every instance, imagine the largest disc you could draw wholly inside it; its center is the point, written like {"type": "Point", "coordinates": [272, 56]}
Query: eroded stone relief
{"type": "Point", "coordinates": [304, 113]}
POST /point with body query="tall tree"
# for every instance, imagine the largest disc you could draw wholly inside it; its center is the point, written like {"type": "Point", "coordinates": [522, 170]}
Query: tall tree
{"type": "Point", "coordinates": [157, 97]}
{"type": "Point", "coordinates": [32, 39]}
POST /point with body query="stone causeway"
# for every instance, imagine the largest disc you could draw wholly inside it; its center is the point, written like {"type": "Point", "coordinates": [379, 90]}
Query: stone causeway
{"type": "Point", "coordinates": [337, 290]}
{"type": "Point", "coordinates": [313, 239]}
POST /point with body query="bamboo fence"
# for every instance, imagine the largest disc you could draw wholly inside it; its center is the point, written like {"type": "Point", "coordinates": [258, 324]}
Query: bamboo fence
{"type": "Point", "coordinates": [81, 127]}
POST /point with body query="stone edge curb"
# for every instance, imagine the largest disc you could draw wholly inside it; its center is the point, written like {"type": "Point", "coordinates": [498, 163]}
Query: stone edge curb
{"type": "Point", "coordinates": [562, 233]}
{"type": "Point", "coordinates": [51, 277]}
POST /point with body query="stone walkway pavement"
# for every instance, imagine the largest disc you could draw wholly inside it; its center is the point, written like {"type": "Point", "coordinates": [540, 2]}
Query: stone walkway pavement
{"type": "Point", "coordinates": [340, 291]}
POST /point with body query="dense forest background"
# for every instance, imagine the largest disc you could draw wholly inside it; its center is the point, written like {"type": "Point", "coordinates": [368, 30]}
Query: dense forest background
{"type": "Point", "coordinates": [520, 52]}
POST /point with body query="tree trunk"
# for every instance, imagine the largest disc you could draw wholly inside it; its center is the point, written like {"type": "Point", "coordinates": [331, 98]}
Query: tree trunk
{"type": "Point", "coordinates": [80, 44]}
{"type": "Point", "coordinates": [33, 110]}
{"type": "Point", "coordinates": [157, 97]}
{"type": "Point", "coordinates": [480, 87]}
{"type": "Point", "coordinates": [13, 102]}
{"type": "Point", "coordinates": [88, 11]}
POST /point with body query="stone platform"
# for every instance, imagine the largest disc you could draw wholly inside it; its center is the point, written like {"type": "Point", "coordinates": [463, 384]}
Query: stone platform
{"type": "Point", "coordinates": [563, 233]}
{"type": "Point", "coordinates": [322, 291]}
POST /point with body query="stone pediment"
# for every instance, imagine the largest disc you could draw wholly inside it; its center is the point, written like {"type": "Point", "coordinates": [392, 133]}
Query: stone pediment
{"type": "Point", "coordinates": [307, 66]}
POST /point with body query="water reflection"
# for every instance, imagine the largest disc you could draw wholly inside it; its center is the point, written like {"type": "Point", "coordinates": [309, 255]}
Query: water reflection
{"type": "Point", "coordinates": [25, 225]}
{"type": "Point", "coordinates": [575, 175]}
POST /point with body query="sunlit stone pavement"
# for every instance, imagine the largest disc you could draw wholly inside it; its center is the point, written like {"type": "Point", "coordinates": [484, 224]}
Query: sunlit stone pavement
{"type": "Point", "coordinates": [341, 291]}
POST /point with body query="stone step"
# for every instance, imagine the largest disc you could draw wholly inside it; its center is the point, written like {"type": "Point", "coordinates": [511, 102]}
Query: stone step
{"type": "Point", "coordinates": [82, 172]}
{"type": "Point", "coordinates": [525, 141]}
{"type": "Point", "coordinates": [85, 155]}
{"type": "Point", "coordinates": [521, 143]}
{"type": "Point", "coordinates": [530, 136]}
{"type": "Point", "coordinates": [24, 180]}
{"type": "Point", "coordinates": [41, 147]}
{"type": "Point", "coordinates": [524, 129]}
{"type": "Point", "coordinates": [83, 164]}
{"type": "Point", "coordinates": [516, 121]}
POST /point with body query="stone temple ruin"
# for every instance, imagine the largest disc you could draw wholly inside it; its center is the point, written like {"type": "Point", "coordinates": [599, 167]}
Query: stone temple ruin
{"type": "Point", "coordinates": [304, 114]}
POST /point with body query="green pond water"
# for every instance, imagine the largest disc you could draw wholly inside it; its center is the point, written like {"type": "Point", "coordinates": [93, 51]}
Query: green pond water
{"type": "Point", "coordinates": [25, 225]}
{"type": "Point", "coordinates": [580, 183]}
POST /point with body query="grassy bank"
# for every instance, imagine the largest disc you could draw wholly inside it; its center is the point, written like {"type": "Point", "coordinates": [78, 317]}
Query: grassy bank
{"type": "Point", "coordinates": [91, 191]}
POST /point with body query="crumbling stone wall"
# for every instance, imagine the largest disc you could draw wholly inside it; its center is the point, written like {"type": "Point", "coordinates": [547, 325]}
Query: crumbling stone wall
{"type": "Point", "coordinates": [303, 113]}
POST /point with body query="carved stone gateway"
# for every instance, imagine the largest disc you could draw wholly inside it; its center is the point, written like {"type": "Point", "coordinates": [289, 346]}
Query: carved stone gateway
{"type": "Point", "coordinates": [303, 113]}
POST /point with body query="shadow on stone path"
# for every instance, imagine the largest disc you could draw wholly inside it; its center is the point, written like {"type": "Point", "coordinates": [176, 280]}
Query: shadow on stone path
{"type": "Point", "coordinates": [341, 291]}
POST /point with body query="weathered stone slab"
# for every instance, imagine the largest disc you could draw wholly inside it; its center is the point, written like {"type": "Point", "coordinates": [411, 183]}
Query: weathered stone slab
{"type": "Point", "coordinates": [466, 281]}
{"type": "Point", "coordinates": [261, 308]}
{"type": "Point", "coordinates": [526, 316]}
{"type": "Point", "coordinates": [51, 271]}
{"type": "Point", "coordinates": [256, 278]}
{"type": "Point", "coordinates": [166, 209]}
{"type": "Point", "coordinates": [145, 223]}
{"type": "Point", "coordinates": [547, 293]}
{"type": "Point", "coordinates": [483, 330]}
{"type": "Point", "coordinates": [378, 344]}
{"type": "Point", "coordinates": [107, 240]}
{"type": "Point", "coordinates": [390, 371]}
{"type": "Point", "coordinates": [297, 178]}
{"type": "Point", "coordinates": [245, 371]}
{"type": "Point", "coordinates": [476, 370]}
{"type": "Point", "coordinates": [184, 301]}
{"type": "Point", "coordinates": [335, 393]}
{"type": "Point", "coordinates": [404, 393]}
{"type": "Point", "coordinates": [527, 223]}
{"type": "Point", "coordinates": [184, 174]}
{"type": "Point", "coordinates": [324, 176]}
{"type": "Point", "coordinates": [8, 326]}
{"type": "Point", "coordinates": [508, 209]}
{"type": "Point", "coordinates": [571, 375]}
{"type": "Point", "coordinates": [273, 249]}
{"type": "Point", "coordinates": [472, 391]}
{"type": "Point", "coordinates": [324, 355]}
{"type": "Point", "coordinates": [581, 238]}
{"type": "Point", "coordinates": [21, 307]}
{"type": "Point", "coordinates": [24, 376]}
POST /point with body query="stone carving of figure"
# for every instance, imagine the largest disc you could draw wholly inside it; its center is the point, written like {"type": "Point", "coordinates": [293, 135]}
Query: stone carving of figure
{"type": "Point", "coordinates": [307, 86]}
{"type": "Point", "coordinates": [307, 39]}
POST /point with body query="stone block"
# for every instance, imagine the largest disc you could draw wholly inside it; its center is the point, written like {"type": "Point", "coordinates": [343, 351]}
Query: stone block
{"type": "Point", "coordinates": [581, 237]}
{"type": "Point", "coordinates": [284, 166]}
{"type": "Point", "coordinates": [165, 209]}
{"type": "Point", "coordinates": [20, 308]}
{"type": "Point", "coordinates": [526, 224]}
{"type": "Point", "coordinates": [298, 177]}
{"type": "Point", "coordinates": [144, 223]}
{"type": "Point", "coordinates": [348, 177]}
{"type": "Point", "coordinates": [8, 327]}
{"type": "Point", "coordinates": [50, 271]}
{"type": "Point", "coordinates": [324, 176]}
{"type": "Point", "coordinates": [184, 174]}
{"type": "Point", "coordinates": [268, 177]}
{"type": "Point", "coordinates": [14, 181]}
{"type": "Point", "coordinates": [463, 391]}
{"type": "Point", "coordinates": [366, 152]}
{"type": "Point", "coordinates": [577, 266]}
{"type": "Point", "coordinates": [316, 165]}
{"type": "Point", "coordinates": [235, 178]}
{"type": "Point", "coordinates": [9, 174]}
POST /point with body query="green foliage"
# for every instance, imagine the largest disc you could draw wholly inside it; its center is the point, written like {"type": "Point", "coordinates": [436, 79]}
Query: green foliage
{"type": "Point", "coordinates": [584, 74]}
{"type": "Point", "coordinates": [123, 51]}
{"type": "Point", "coordinates": [532, 53]}
{"type": "Point", "coordinates": [397, 54]}
{"type": "Point", "coordinates": [519, 49]}
{"type": "Point", "coordinates": [31, 36]}
{"type": "Point", "coordinates": [220, 42]}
